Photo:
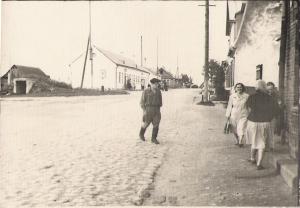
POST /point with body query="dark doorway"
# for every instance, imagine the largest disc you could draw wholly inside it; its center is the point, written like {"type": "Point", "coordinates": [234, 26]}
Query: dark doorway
{"type": "Point", "coordinates": [21, 87]}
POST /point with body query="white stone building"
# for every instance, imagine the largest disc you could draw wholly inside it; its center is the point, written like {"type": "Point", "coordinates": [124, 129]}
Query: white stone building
{"type": "Point", "coordinates": [113, 71]}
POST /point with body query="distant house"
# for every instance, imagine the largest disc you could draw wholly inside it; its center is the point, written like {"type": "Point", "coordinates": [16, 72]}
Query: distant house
{"type": "Point", "coordinates": [20, 79]}
{"type": "Point", "coordinates": [168, 78]}
{"type": "Point", "coordinates": [116, 72]}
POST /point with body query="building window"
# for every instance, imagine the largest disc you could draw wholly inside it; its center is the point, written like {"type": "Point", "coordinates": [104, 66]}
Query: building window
{"type": "Point", "coordinates": [119, 77]}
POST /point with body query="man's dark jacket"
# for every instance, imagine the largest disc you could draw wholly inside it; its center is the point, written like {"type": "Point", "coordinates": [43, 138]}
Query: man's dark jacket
{"type": "Point", "coordinates": [151, 98]}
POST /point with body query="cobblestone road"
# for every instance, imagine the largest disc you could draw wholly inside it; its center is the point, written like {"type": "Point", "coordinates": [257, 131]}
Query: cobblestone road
{"type": "Point", "coordinates": [80, 150]}
{"type": "Point", "coordinates": [203, 167]}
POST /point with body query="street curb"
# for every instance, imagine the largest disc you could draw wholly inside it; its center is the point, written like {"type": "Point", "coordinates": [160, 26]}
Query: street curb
{"type": "Point", "coordinates": [287, 167]}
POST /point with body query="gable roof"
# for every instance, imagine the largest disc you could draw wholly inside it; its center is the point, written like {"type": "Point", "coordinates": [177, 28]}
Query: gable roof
{"type": "Point", "coordinates": [243, 13]}
{"type": "Point", "coordinates": [229, 22]}
{"type": "Point", "coordinates": [166, 75]}
{"type": "Point", "coordinates": [120, 60]}
{"type": "Point", "coordinates": [26, 71]}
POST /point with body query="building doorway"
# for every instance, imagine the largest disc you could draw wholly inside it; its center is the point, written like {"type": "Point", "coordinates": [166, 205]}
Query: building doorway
{"type": "Point", "coordinates": [20, 87]}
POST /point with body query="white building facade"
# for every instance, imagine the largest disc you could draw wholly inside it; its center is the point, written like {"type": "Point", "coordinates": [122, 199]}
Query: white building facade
{"type": "Point", "coordinates": [113, 71]}
{"type": "Point", "coordinates": [254, 44]}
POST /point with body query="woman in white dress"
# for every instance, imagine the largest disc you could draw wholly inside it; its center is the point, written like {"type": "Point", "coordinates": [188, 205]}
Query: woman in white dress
{"type": "Point", "coordinates": [237, 113]}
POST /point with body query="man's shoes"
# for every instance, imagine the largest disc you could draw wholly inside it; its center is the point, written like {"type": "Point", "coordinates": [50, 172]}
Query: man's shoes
{"type": "Point", "coordinates": [142, 132]}
{"type": "Point", "coordinates": [154, 141]}
{"type": "Point", "coordinates": [154, 135]}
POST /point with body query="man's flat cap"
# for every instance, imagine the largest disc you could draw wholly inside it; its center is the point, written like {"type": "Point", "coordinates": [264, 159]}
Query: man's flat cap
{"type": "Point", "coordinates": [154, 80]}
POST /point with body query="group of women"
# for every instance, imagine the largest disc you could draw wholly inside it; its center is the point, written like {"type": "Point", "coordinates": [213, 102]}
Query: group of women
{"type": "Point", "coordinates": [250, 117]}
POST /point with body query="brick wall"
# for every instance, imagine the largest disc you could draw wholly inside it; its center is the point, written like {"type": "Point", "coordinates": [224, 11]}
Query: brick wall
{"type": "Point", "coordinates": [291, 80]}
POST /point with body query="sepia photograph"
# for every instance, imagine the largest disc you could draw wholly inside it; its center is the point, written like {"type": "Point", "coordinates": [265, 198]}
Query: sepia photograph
{"type": "Point", "coordinates": [149, 103]}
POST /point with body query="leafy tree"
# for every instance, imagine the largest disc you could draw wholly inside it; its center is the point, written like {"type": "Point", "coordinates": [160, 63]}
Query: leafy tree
{"type": "Point", "coordinates": [216, 76]}
{"type": "Point", "coordinates": [185, 78]}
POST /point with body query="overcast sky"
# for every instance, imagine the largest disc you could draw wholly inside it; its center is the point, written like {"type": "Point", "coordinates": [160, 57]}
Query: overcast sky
{"type": "Point", "coordinates": [50, 35]}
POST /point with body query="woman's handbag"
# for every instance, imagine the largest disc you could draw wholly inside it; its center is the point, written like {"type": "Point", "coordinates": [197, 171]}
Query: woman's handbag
{"type": "Point", "coordinates": [227, 128]}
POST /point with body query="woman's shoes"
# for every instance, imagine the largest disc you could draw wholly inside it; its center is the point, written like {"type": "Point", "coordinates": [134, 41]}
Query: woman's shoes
{"type": "Point", "coordinates": [260, 167]}
{"type": "Point", "coordinates": [253, 161]}
{"type": "Point", "coordinates": [238, 144]}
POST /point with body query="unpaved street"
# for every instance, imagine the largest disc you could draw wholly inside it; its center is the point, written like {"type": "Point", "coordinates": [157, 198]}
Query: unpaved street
{"type": "Point", "coordinates": [86, 151]}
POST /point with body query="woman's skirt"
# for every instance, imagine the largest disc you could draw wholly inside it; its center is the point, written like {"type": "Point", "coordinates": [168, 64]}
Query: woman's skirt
{"type": "Point", "coordinates": [257, 134]}
{"type": "Point", "coordinates": [239, 125]}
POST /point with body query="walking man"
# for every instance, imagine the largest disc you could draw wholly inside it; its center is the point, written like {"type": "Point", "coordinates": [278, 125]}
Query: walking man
{"type": "Point", "coordinates": [151, 102]}
{"type": "Point", "coordinates": [275, 128]}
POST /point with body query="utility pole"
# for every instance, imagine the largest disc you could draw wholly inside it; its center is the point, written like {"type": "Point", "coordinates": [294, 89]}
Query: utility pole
{"type": "Point", "coordinates": [86, 54]}
{"type": "Point", "coordinates": [141, 50]}
{"type": "Point", "coordinates": [206, 56]}
{"type": "Point", "coordinates": [91, 49]}
{"type": "Point", "coordinates": [177, 70]}
{"type": "Point", "coordinates": [157, 56]}
{"type": "Point", "coordinates": [70, 74]}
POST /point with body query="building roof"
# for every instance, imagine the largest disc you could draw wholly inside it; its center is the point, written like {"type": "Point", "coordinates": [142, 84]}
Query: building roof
{"type": "Point", "coordinates": [151, 71]}
{"type": "Point", "coordinates": [120, 60]}
{"type": "Point", "coordinates": [166, 75]}
{"type": "Point", "coordinates": [26, 71]}
{"type": "Point", "coordinates": [241, 10]}
{"type": "Point", "coordinates": [243, 13]}
{"type": "Point", "coordinates": [229, 21]}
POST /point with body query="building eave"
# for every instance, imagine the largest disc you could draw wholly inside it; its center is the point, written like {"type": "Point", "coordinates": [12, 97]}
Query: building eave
{"type": "Point", "coordinates": [244, 10]}
{"type": "Point", "coordinates": [137, 69]}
